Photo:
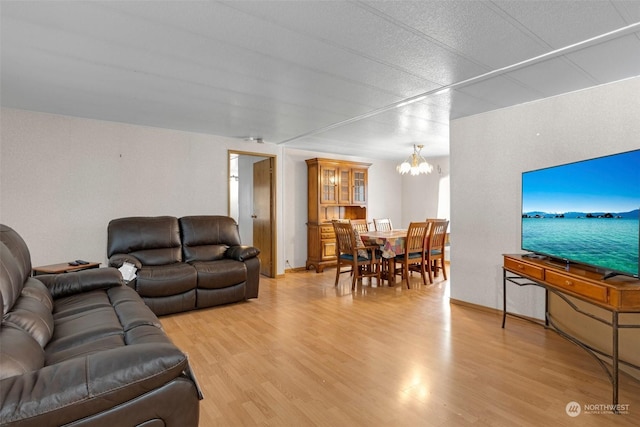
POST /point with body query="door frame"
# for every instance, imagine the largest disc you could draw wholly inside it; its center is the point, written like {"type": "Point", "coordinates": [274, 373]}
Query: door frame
{"type": "Point", "coordinates": [273, 204]}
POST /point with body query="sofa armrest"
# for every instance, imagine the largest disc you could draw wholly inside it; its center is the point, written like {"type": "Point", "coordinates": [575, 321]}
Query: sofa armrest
{"type": "Point", "coordinates": [62, 285]}
{"type": "Point", "coordinates": [242, 253]}
{"type": "Point", "coordinates": [118, 259]}
{"type": "Point", "coordinates": [81, 387]}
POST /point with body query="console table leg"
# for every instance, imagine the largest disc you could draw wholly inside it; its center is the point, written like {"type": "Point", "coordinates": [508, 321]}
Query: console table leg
{"type": "Point", "coordinates": [504, 297]}
{"type": "Point", "coordinates": [546, 308]}
{"type": "Point", "coordinates": [614, 361]}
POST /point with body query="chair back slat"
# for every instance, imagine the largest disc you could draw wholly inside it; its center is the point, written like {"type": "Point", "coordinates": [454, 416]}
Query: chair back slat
{"type": "Point", "coordinates": [360, 225]}
{"type": "Point", "coordinates": [382, 224]}
{"type": "Point", "coordinates": [415, 237]}
{"type": "Point", "coordinates": [414, 255]}
{"type": "Point", "coordinates": [345, 237]}
{"type": "Point", "coordinates": [438, 234]}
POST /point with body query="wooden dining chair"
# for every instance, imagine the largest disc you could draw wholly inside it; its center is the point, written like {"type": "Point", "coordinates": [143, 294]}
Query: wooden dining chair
{"type": "Point", "coordinates": [414, 256]}
{"type": "Point", "coordinates": [363, 260]}
{"type": "Point", "coordinates": [434, 249]}
{"type": "Point", "coordinates": [382, 224]}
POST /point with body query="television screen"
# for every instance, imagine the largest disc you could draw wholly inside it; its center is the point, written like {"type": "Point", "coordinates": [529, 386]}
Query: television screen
{"type": "Point", "coordinates": [586, 212]}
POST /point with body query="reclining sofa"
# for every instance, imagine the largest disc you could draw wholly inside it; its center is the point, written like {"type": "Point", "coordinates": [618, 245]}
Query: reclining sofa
{"type": "Point", "coordinates": [83, 349]}
{"type": "Point", "coordinates": [186, 263]}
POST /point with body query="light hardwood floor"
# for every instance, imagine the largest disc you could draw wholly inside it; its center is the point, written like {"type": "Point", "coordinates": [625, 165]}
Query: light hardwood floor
{"type": "Point", "coordinates": [306, 353]}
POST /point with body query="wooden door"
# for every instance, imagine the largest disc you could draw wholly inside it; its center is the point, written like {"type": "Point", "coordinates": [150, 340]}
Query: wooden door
{"type": "Point", "coordinates": [263, 215]}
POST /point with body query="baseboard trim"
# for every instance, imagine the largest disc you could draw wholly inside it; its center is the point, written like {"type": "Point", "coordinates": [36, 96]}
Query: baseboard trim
{"type": "Point", "coordinates": [294, 270]}
{"type": "Point", "coordinates": [475, 306]}
{"type": "Point", "coordinates": [493, 310]}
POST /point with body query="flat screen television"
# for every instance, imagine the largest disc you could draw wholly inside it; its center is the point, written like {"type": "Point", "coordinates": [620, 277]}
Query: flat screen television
{"type": "Point", "coordinates": [586, 212]}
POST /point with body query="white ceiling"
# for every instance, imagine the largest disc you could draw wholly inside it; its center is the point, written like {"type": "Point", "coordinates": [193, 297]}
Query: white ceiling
{"type": "Point", "coordinates": [346, 77]}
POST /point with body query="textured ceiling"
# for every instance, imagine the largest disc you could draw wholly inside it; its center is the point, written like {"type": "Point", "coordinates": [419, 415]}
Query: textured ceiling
{"type": "Point", "coordinates": [345, 77]}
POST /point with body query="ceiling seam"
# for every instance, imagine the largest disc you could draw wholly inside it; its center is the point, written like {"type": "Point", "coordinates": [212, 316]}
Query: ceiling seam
{"type": "Point", "coordinates": [498, 72]}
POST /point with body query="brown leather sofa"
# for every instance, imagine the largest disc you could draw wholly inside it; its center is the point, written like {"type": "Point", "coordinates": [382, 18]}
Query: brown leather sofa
{"type": "Point", "coordinates": [83, 348]}
{"type": "Point", "coordinates": [186, 263]}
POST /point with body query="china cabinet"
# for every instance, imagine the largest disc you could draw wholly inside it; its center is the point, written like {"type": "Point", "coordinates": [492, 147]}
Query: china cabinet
{"type": "Point", "coordinates": [336, 190]}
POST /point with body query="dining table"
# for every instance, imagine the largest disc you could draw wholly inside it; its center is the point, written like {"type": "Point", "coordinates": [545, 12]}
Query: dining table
{"type": "Point", "coordinates": [391, 243]}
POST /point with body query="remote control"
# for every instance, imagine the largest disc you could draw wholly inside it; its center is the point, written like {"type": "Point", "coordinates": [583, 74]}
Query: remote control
{"type": "Point", "coordinates": [81, 262]}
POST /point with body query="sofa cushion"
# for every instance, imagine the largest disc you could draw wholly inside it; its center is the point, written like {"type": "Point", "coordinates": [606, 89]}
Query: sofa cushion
{"type": "Point", "coordinates": [31, 311]}
{"type": "Point", "coordinates": [172, 303]}
{"type": "Point", "coordinates": [164, 280]}
{"type": "Point", "coordinates": [36, 289]}
{"type": "Point", "coordinates": [19, 352]}
{"type": "Point", "coordinates": [206, 237]}
{"type": "Point", "coordinates": [83, 327]}
{"type": "Point", "coordinates": [152, 240]}
{"type": "Point", "coordinates": [34, 317]}
{"type": "Point", "coordinates": [109, 319]}
{"type": "Point", "coordinates": [11, 279]}
{"type": "Point", "coordinates": [220, 274]}
{"type": "Point", "coordinates": [18, 248]}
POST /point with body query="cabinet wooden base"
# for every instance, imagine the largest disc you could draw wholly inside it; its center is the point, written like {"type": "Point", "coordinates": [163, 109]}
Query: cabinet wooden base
{"type": "Point", "coordinates": [319, 266]}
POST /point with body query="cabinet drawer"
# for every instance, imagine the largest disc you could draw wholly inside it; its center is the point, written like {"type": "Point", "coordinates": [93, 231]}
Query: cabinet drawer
{"type": "Point", "coordinates": [326, 232]}
{"type": "Point", "coordinates": [578, 286]}
{"type": "Point", "coordinates": [524, 268]}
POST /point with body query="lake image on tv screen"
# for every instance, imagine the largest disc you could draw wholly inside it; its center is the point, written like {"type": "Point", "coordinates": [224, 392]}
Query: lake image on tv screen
{"type": "Point", "coordinates": [609, 243]}
{"type": "Point", "coordinates": [587, 212]}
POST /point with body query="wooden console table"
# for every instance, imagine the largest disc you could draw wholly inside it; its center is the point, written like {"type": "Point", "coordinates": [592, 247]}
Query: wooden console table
{"type": "Point", "coordinates": [619, 294]}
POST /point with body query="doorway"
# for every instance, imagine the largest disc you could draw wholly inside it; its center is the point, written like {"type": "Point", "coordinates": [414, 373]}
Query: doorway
{"type": "Point", "coordinates": [252, 201]}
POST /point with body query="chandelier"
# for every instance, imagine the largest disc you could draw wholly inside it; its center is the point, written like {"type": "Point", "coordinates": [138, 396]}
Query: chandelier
{"type": "Point", "coordinates": [415, 163]}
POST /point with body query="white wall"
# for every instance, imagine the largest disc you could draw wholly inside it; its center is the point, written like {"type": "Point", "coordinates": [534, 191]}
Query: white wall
{"type": "Point", "coordinates": [488, 154]}
{"type": "Point", "coordinates": [62, 179]}
{"type": "Point", "coordinates": [422, 195]}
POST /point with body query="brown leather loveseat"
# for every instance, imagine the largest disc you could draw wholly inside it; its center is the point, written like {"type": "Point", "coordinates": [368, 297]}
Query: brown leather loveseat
{"type": "Point", "coordinates": [186, 263]}
{"type": "Point", "coordinates": [83, 349]}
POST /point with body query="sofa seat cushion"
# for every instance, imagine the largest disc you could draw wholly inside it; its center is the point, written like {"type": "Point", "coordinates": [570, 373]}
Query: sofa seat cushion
{"type": "Point", "coordinates": [84, 327]}
{"type": "Point", "coordinates": [82, 348]}
{"type": "Point", "coordinates": [111, 318]}
{"type": "Point", "coordinates": [80, 303]}
{"type": "Point", "coordinates": [220, 274]}
{"type": "Point", "coordinates": [165, 280]}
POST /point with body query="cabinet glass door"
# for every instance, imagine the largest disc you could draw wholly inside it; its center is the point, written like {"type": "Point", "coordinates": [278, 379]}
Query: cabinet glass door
{"type": "Point", "coordinates": [328, 185]}
{"type": "Point", "coordinates": [359, 186]}
{"type": "Point", "coordinates": [344, 194]}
